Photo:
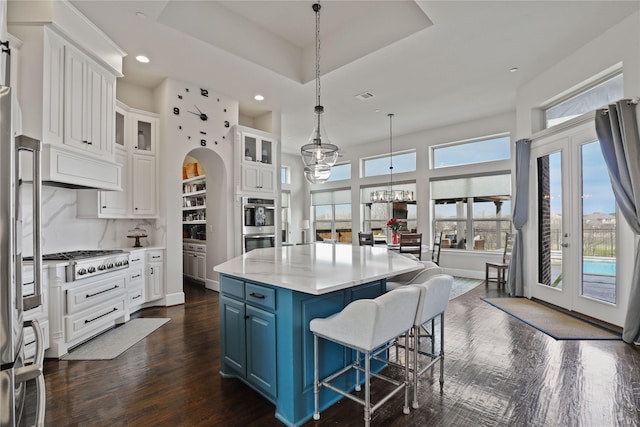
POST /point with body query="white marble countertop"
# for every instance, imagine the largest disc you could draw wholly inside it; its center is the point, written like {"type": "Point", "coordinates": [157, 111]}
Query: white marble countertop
{"type": "Point", "coordinates": [317, 268]}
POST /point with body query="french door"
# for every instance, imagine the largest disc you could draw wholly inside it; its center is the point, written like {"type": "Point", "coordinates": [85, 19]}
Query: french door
{"type": "Point", "coordinates": [573, 228]}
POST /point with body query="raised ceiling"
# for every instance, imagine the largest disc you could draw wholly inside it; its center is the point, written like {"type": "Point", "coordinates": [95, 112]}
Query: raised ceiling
{"type": "Point", "coordinates": [431, 63]}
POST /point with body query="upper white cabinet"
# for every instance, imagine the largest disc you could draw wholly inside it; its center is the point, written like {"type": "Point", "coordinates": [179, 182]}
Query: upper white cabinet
{"type": "Point", "coordinates": [135, 142]}
{"type": "Point", "coordinates": [53, 89]}
{"type": "Point", "coordinates": [257, 155]}
{"type": "Point", "coordinates": [89, 92]}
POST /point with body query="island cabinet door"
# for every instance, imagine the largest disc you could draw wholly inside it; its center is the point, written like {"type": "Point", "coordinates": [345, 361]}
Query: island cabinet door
{"type": "Point", "coordinates": [261, 350]}
{"type": "Point", "coordinates": [232, 322]}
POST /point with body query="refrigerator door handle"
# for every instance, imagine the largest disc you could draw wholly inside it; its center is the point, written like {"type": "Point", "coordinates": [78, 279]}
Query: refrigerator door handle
{"type": "Point", "coordinates": [25, 143]}
{"type": "Point", "coordinates": [35, 372]}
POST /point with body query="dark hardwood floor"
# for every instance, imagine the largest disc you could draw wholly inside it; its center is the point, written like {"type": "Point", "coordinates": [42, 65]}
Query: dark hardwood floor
{"type": "Point", "coordinates": [499, 372]}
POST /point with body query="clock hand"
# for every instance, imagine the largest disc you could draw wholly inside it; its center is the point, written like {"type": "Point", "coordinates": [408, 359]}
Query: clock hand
{"type": "Point", "coordinates": [197, 108]}
{"type": "Point", "coordinates": [202, 116]}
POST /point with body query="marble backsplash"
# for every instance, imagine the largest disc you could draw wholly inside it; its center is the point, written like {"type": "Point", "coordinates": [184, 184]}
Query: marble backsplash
{"type": "Point", "coordinates": [63, 231]}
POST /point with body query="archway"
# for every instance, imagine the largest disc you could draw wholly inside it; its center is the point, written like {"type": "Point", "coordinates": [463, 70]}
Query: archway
{"type": "Point", "coordinates": [208, 226]}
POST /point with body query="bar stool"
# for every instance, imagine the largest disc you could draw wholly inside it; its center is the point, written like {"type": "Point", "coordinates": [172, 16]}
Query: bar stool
{"type": "Point", "coordinates": [366, 325]}
{"type": "Point", "coordinates": [434, 299]}
{"type": "Point", "coordinates": [429, 269]}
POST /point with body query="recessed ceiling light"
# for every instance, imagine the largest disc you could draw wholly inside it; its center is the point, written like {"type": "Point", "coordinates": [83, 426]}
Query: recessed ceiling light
{"type": "Point", "coordinates": [141, 15]}
{"type": "Point", "coordinates": [142, 58]}
{"type": "Point", "coordinates": [513, 70]}
{"type": "Point", "coordinates": [258, 97]}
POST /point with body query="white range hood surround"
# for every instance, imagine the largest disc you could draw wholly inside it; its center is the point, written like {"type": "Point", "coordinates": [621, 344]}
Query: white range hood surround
{"type": "Point", "coordinates": [69, 169]}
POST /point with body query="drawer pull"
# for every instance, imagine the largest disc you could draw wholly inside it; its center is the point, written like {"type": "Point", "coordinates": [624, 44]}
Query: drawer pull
{"type": "Point", "coordinates": [101, 292]}
{"type": "Point", "coordinates": [254, 295]}
{"type": "Point", "coordinates": [135, 260]}
{"type": "Point", "coordinates": [136, 276]}
{"type": "Point", "coordinates": [137, 296]}
{"type": "Point", "coordinates": [102, 315]}
{"type": "Point", "coordinates": [155, 256]}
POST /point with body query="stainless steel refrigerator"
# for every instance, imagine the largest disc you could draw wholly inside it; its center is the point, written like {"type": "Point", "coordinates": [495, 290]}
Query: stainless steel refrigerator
{"type": "Point", "coordinates": [16, 371]}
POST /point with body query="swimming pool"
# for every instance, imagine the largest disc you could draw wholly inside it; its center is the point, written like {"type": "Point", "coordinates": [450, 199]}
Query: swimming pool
{"type": "Point", "coordinates": [599, 266]}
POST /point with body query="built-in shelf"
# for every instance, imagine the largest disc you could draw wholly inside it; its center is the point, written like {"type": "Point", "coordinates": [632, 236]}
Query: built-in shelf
{"type": "Point", "coordinates": [194, 193]}
{"type": "Point", "coordinates": [202, 221]}
{"type": "Point", "coordinates": [193, 208]}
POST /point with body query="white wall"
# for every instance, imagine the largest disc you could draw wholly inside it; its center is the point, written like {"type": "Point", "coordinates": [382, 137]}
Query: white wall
{"type": "Point", "coordinates": [173, 148]}
{"type": "Point", "coordinates": [618, 45]}
{"type": "Point", "coordinates": [137, 97]}
{"type": "Point", "coordinates": [300, 196]}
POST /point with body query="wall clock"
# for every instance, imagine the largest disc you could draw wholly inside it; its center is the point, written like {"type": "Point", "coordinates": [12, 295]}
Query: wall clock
{"type": "Point", "coordinates": [198, 115]}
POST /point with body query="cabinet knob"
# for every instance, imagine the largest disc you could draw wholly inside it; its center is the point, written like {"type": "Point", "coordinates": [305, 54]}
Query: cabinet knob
{"type": "Point", "coordinates": [104, 207]}
{"type": "Point", "coordinates": [247, 316]}
{"type": "Point", "coordinates": [136, 209]}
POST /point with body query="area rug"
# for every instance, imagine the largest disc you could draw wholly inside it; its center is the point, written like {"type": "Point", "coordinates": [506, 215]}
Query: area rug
{"type": "Point", "coordinates": [552, 322]}
{"type": "Point", "coordinates": [462, 285]}
{"type": "Point", "coordinates": [116, 341]}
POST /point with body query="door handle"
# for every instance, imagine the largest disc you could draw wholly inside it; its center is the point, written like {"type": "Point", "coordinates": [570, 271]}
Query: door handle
{"type": "Point", "coordinates": [34, 371]}
{"type": "Point", "coordinates": [25, 143]}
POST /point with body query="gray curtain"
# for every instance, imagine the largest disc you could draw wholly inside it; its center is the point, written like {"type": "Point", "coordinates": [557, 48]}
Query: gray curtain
{"type": "Point", "coordinates": [617, 129]}
{"type": "Point", "coordinates": [520, 210]}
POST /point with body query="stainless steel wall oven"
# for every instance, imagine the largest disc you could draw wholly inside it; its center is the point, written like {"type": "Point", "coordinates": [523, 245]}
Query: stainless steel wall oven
{"type": "Point", "coordinates": [258, 223]}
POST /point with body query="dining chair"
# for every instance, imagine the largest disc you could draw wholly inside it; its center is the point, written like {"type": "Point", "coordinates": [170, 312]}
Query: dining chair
{"type": "Point", "coordinates": [411, 243]}
{"type": "Point", "coordinates": [437, 243]}
{"type": "Point", "coordinates": [365, 239]}
{"type": "Point", "coordinates": [501, 267]}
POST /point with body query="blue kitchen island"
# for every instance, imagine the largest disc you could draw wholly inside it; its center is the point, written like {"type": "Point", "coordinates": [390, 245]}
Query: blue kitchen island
{"type": "Point", "coordinates": [267, 298]}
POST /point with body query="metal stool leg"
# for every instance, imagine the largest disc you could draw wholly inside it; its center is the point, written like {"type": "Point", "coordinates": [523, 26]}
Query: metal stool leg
{"type": "Point", "coordinates": [316, 375]}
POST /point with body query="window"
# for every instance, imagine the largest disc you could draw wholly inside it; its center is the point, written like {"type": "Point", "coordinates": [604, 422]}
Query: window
{"type": "Point", "coordinates": [285, 177]}
{"type": "Point", "coordinates": [376, 166]}
{"type": "Point", "coordinates": [376, 215]}
{"type": "Point", "coordinates": [588, 99]}
{"type": "Point", "coordinates": [340, 172]}
{"type": "Point", "coordinates": [478, 151]}
{"type": "Point", "coordinates": [332, 215]}
{"type": "Point", "coordinates": [285, 197]}
{"type": "Point", "coordinates": [472, 213]}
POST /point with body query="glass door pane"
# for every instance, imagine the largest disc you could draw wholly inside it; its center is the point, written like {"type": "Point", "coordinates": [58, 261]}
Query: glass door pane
{"type": "Point", "coordinates": [598, 227]}
{"type": "Point", "coordinates": [550, 231]}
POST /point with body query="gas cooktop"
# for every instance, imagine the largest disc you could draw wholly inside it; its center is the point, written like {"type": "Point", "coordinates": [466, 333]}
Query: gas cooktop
{"type": "Point", "coordinates": [75, 255]}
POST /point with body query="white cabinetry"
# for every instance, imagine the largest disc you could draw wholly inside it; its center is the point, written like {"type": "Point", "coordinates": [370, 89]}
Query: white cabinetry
{"type": "Point", "coordinates": [257, 155]}
{"type": "Point", "coordinates": [155, 274]}
{"type": "Point", "coordinates": [89, 92]}
{"type": "Point", "coordinates": [53, 90]}
{"type": "Point", "coordinates": [194, 261]}
{"type": "Point", "coordinates": [136, 280]}
{"type": "Point", "coordinates": [136, 141]}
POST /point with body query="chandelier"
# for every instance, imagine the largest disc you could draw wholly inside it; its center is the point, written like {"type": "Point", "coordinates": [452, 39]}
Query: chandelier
{"type": "Point", "coordinates": [318, 157]}
{"type": "Point", "coordinates": [391, 195]}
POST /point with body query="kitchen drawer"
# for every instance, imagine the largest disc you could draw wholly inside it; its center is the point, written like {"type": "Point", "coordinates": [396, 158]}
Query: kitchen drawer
{"type": "Point", "coordinates": [194, 247]}
{"type": "Point", "coordinates": [135, 276]}
{"type": "Point", "coordinates": [155, 255]}
{"type": "Point", "coordinates": [233, 287]}
{"type": "Point", "coordinates": [136, 296]}
{"type": "Point", "coordinates": [91, 321]}
{"type": "Point", "coordinates": [136, 257]}
{"type": "Point", "coordinates": [260, 295]}
{"type": "Point", "coordinates": [87, 295]}
{"type": "Point", "coordinates": [30, 340]}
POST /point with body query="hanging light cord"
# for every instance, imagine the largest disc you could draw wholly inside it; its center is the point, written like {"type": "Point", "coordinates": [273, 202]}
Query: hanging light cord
{"type": "Point", "coordinates": [318, 109]}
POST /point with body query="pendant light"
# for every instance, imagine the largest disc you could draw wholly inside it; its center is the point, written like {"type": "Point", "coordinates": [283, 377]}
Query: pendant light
{"type": "Point", "coordinates": [318, 154]}
{"type": "Point", "coordinates": [391, 195]}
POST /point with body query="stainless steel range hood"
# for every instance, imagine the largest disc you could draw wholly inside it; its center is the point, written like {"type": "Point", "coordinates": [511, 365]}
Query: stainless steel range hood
{"type": "Point", "coordinates": [65, 168]}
